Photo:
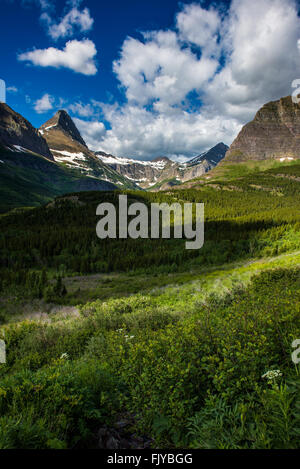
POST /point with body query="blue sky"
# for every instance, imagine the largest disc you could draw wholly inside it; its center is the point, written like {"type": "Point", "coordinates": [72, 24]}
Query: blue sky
{"type": "Point", "coordinates": [145, 78]}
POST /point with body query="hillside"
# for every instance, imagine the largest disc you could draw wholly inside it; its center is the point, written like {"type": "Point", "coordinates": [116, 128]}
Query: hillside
{"type": "Point", "coordinates": [82, 317]}
{"type": "Point", "coordinates": [28, 180]}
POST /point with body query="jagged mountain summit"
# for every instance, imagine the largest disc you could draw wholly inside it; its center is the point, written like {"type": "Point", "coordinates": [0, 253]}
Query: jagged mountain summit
{"type": "Point", "coordinates": [274, 133]}
{"type": "Point", "coordinates": [62, 121]}
{"type": "Point", "coordinates": [162, 173]}
{"type": "Point", "coordinates": [17, 134]}
{"type": "Point", "coordinates": [68, 147]}
{"type": "Point", "coordinates": [212, 156]}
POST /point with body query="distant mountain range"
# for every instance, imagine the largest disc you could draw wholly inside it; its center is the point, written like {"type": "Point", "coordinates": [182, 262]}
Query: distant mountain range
{"type": "Point", "coordinates": [68, 147]}
{"type": "Point", "coordinates": [39, 164]}
{"type": "Point", "coordinates": [162, 173]}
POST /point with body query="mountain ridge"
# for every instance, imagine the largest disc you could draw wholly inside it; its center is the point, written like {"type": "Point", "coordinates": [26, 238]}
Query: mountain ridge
{"type": "Point", "coordinates": [17, 133]}
{"type": "Point", "coordinates": [159, 173]}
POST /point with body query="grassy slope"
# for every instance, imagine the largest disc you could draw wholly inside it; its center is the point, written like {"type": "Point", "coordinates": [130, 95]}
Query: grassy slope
{"type": "Point", "coordinates": [194, 286]}
{"type": "Point", "coordinates": [158, 367]}
{"type": "Point", "coordinates": [228, 171]}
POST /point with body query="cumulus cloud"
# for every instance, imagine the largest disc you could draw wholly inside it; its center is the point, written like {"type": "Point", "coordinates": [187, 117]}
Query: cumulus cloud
{"type": "Point", "coordinates": [200, 27]}
{"type": "Point", "coordinates": [195, 85]}
{"type": "Point", "coordinates": [75, 20]}
{"type": "Point", "coordinates": [159, 69]}
{"type": "Point", "coordinates": [81, 109]}
{"type": "Point", "coordinates": [78, 56]}
{"type": "Point", "coordinates": [44, 104]}
{"type": "Point", "coordinates": [260, 46]}
{"type": "Point", "coordinates": [141, 133]}
{"type": "Point", "coordinates": [92, 132]}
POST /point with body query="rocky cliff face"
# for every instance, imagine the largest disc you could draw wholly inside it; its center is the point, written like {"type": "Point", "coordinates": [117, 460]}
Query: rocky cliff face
{"type": "Point", "coordinates": [274, 133]}
{"type": "Point", "coordinates": [17, 134]}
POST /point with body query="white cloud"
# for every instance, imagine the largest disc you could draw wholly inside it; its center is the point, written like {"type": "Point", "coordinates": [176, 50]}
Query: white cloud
{"type": "Point", "coordinates": [78, 56]}
{"type": "Point", "coordinates": [191, 87]}
{"type": "Point", "coordinates": [92, 131]}
{"type": "Point", "coordinates": [12, 89]}
{"type": "Point", "coordinates": [160, 69]}
{"type": "Point", "coordinates": [75, 20]}
{"type": "Point", "coordinates": [141, 133]}
{"type": "Point", "coordinates": [260, 44]}
{"type": "Point", "coordinates": [83, 110]}
{"type": "Point", "coordinates": [200, 27]}
{"type": "Point", "coordinates": [44, 104]}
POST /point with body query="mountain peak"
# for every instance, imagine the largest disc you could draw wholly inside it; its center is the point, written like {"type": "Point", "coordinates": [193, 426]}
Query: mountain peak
{"type": "Point", "coordinates": [161, 158]}
{"type": "Point", "coordinates": [64, 122]}
{"type": "Point", "coordinates": [212, 156]}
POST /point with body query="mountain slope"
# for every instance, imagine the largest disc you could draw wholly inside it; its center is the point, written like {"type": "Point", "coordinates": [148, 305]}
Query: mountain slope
{"type": "Point", "coordinates": [17, 133]}
{"type": "Point", "coordinates": [28, 179]}
{"type": "Point", "coordinates": [274, 133]}
{"type": "Point", "coordinates": [68, 147]}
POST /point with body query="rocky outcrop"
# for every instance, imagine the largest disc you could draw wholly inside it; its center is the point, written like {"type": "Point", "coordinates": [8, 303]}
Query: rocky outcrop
{"type": "Point", "coordinates": [62, 135]}
{"type": "Point", "coordinates": [274, 133]}
{"type": "Point", "coordinates": [18, 134]}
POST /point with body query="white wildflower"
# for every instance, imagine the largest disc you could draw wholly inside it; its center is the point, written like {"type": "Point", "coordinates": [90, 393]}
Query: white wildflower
{"type": "Point", "coordinates": [127, 337]}
{"type": "Point", "coordinates": [64, 356]}
{"type": "Point", "coordinates": [272, 375]}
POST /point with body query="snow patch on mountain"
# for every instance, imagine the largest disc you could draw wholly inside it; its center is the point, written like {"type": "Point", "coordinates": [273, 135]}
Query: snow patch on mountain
{"type": "Point", "coordinates": [115, 160]}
